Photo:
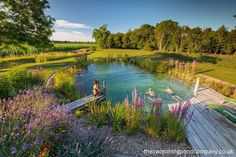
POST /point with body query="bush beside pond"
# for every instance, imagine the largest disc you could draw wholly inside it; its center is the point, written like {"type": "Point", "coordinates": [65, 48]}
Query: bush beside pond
{"type": "Point", "coordinates": [12, 82]}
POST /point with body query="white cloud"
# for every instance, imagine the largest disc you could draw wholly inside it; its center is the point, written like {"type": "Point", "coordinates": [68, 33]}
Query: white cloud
{"type": "Point", "coordinates": [71, 25]}
{"type": "Point", "coordinates": [70, 36]}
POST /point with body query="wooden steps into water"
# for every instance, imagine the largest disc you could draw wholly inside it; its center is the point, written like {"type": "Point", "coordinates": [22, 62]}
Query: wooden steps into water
{"type": "Point", "coordinates": [207, 130]}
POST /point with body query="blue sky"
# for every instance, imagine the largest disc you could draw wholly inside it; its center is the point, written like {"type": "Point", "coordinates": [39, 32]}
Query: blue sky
{"type": "Point", "coordinates": [76, 19]}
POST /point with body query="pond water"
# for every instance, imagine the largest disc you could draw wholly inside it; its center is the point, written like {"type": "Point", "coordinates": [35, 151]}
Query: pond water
{"type": "Point", "coordinates": [121, 79]}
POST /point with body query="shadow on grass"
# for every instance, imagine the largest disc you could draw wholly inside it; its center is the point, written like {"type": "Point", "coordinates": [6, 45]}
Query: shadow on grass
{"type": "Point", "coordinates": [190, 57]}
{"type": "Point", "coordinates": [201, 71]}
{"type": "Point", "coordinates": [52, 65]}
{"type": "Point", "coordinates": [16, 62]}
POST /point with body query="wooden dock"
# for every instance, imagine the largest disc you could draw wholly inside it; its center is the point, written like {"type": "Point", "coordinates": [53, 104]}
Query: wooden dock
{"type": "Point", "coordinates": [81, 103]}
{"type": "Point", "coordinates": [208, 130]}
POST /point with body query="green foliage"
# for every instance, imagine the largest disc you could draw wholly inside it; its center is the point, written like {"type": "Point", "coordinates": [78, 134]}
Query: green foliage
{"type": "Point", "coordinates": [14, 81]}
{"type": "Point", "coordinates": [99, 113]}
{"type": "Point", "coordinates": [81, 61]}
{"type": "Point", "coordinates": [164, 126]}
{"type": "Point", "coordinates": [79, 113]}
{"type": "Point", "coordinates": [101, 36]}
{"type": "Point", "coordinates": [132, 119]}
{"type": "Point", "coordinates": [118, 118]}
{"type": "Point", "coordinates": [173, 130]}
{"type": "Point", "coordinates": [169, 36]}
{"type": "Point", "coordinates": [23, 22]}
{"type": "Point", "coordinates": [153, 126]}
{"type": "Point", "coordinates": [65, 84]}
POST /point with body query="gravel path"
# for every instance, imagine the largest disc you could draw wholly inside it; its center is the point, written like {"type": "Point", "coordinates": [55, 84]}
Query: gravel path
{"type": "Point", "coordinates": [138, 145]}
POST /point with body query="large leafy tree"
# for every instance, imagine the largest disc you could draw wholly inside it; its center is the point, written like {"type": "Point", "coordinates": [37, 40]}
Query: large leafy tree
{"type": "Point", "coordinates": [164, 32]}
{"type": "Point", "coordinates": [101, 35]}
{"type": "Point", "coordinates": [24, 21]}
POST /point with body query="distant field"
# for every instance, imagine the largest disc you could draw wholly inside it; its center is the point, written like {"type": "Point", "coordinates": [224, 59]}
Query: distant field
{"type": "Point", "coordinates": [24, 49]}
{"type": "Point", "coordinates": [104, 53]}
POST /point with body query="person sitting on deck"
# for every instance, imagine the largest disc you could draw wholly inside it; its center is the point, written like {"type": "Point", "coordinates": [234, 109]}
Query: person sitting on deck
{"type": "Point", "coordinates": [96, 88]}
{"type": "Point", "coordinates": [150, 92]}
{"type": "Point", "coordinates": [169, 90]}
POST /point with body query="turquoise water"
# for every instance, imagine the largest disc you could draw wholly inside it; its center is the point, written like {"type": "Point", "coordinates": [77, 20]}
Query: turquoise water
{"type": "Point", "coordinates": [121, 79]}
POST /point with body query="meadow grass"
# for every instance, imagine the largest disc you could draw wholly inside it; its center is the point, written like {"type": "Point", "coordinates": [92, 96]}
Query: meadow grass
{"type": "Point", "coordinates": [114, 53]}
{"type": "Point", "coordinates": [24, 49]}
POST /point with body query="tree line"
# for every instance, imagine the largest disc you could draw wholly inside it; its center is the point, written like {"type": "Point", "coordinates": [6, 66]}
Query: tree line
{"type": "Point", "coordinates": [170, 36]}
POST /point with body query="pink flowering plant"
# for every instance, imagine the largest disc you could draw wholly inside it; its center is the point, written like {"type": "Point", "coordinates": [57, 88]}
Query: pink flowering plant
{"type": "Point", "coordinates": [27, 123]}
{"type": "Point", "coordinates": [133, 112]}
{"type": "Point", "coordinates": [181, 111]}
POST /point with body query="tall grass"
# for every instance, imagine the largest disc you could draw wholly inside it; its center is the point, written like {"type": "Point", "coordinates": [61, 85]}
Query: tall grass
{"type": "Point", "coordinates": [9, 50]}
{"type": "Point", "coordinates": [64, 85]}
{"type": "Point", "coordinates": [13, 81]}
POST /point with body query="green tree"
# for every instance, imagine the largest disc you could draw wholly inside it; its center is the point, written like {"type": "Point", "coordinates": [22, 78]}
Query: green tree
{"type": "Point", "coordinates": [25, 22]}
{"type": "Point", "coordinates": [164, 32]}
{"type": "Point", "coordinates": [221, 37]}
{"type": "Point", "coordinates": [101, 35]}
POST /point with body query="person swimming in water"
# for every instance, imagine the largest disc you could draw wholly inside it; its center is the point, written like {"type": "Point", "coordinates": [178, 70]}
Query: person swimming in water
{"type": "Point", "coordinates": [150, 92]}
{"type": "Point", "coordinates": [169, 90]}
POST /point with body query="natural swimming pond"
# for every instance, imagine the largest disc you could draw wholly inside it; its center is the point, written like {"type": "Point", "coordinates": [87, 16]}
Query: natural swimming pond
{"type": "Point", "coordinates": [121, 79]}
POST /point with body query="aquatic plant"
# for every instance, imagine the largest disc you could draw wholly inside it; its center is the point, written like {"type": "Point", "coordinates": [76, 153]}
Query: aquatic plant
{"type": "Point", "coordinates": [99, 113]}
{"type": "Point", "coordinates": [27, 125]}
{"type": "Point", "coordinates": [118, 118]}
{"type": "Point", "coordinates": [64, 85]}
{"type": "Point", "coordinates": [181, 111]}
{"type": "Point", "coordinates": [133, 112]}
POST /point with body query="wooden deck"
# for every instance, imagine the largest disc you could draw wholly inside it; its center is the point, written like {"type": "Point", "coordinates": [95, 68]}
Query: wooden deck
{"type": "Point", "coordinates": [83, 102]}
{"type": "Point", "coordinates": [80, 103]}
{"type": "Point", "coordinates": [208, 130]}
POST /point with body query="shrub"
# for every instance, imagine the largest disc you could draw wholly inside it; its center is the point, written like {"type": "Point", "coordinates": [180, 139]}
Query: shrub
{"type": "Point", "coordinates": [226, 90]}
{"type": "Point", "coordinates": [6, 87]}
{"type": "Point", "coordinates": [65, 84]}
{"type": "Point", "coordinates": [14, 81]}
{"type": "Point", "coordinates": [79, 113]}
{"type": "Point", "coordinates": [27, 127]}
{"type": "Point", "coordinates": [118, 117]}
{"type": "Point", "coordinates": [81, 61]}
{"type": "Point", "coordinates": [99, 114]}
{"type": "Point", "coordinates": [153, 126]}
{"type": "Point", "coordinates": [173, 129]}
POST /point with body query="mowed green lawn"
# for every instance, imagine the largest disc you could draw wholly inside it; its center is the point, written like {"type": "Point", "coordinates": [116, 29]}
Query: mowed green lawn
{"type": "Point", "coordinates": [219, 72]}
{"type": "Point", "coordinates": [104, 53]}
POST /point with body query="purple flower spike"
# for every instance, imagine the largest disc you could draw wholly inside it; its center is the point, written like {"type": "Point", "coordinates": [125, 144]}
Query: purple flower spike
{"type": "Point", "coordinates": [26, 146]}
{"type": "Point", "coordinates": [13, 150]}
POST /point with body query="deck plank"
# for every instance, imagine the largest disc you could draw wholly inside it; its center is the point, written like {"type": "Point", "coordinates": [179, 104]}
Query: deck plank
{"type": "Point", "coordinates": [82, 102]}
{"type": "Point", "coordinates": [207, 130]}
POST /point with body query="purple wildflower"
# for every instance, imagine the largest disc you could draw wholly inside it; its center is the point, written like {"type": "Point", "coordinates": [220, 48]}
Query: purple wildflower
{"type": "Point", "coordinates": [26, 146]}
{"type": "Point", "coordinates": [13, 150]}
{"type": "Point", "coordinates": [37, 140]}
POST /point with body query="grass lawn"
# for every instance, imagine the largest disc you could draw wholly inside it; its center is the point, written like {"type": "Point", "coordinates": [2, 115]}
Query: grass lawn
{"type": "Point", "coordinates": [46, 68]}
{"type": "Point", "coordinates": [219, 72]}
{"type": "Point", "coordinates": [104, 53]}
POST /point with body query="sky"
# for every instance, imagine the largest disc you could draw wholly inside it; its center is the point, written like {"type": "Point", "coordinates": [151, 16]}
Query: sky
{"type": "Point", "coordinates": [76, 19]}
